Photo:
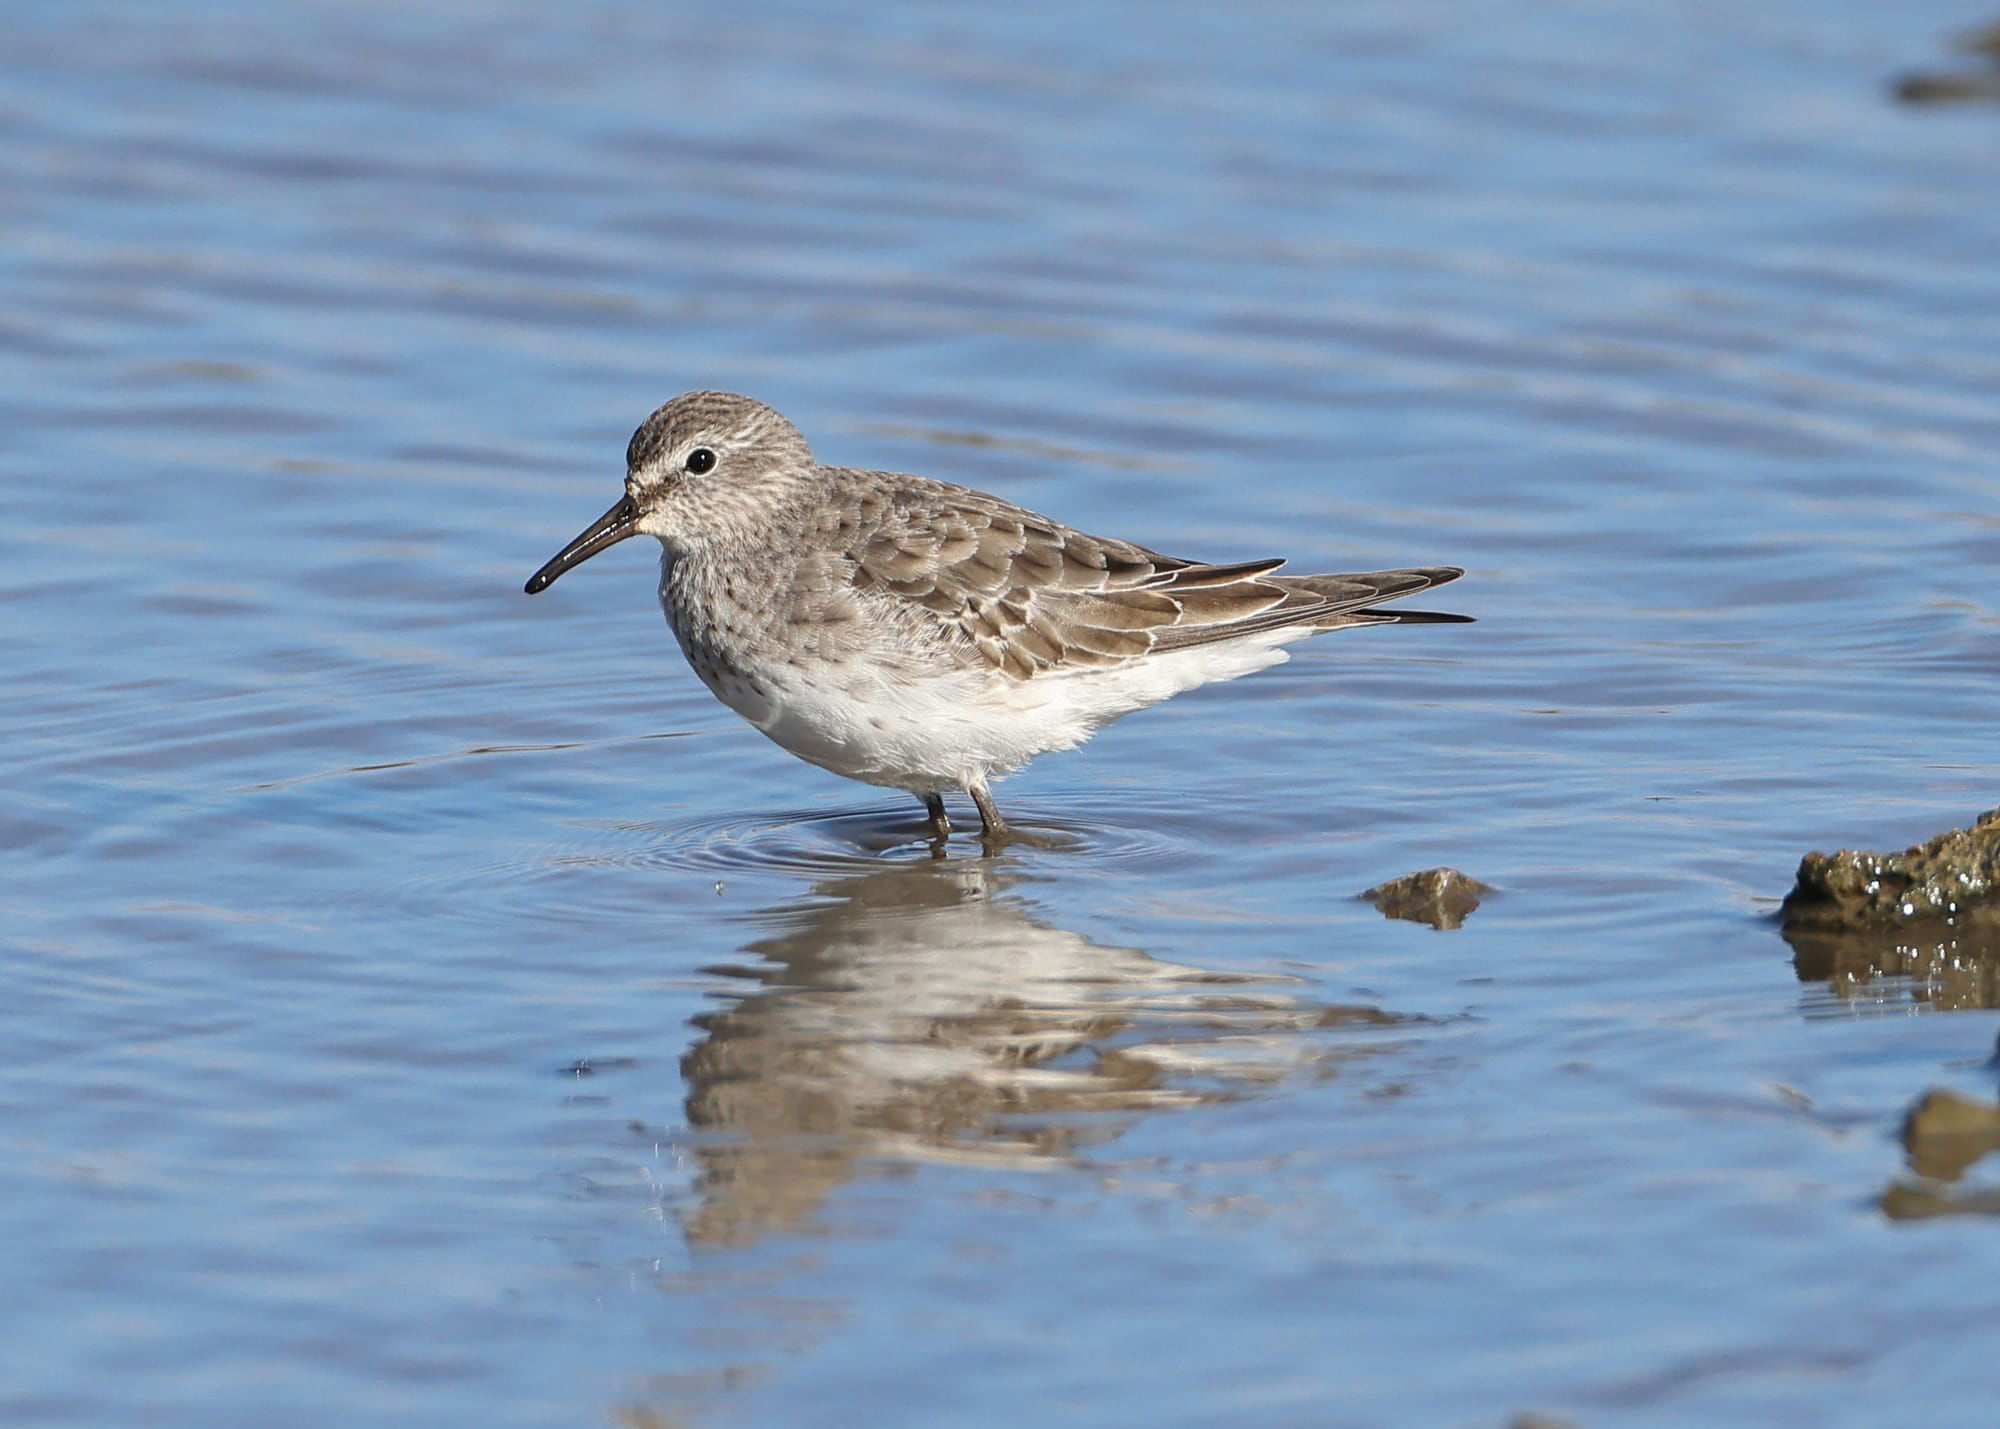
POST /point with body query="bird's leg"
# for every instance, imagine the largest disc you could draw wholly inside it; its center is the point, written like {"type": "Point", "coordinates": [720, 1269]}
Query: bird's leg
{"type": "Point", "coordinates": [992, 827]}
{"type": "Point", "coordinates": [940, 822]}
{"type": "Point", "coordinates": [996, 833]}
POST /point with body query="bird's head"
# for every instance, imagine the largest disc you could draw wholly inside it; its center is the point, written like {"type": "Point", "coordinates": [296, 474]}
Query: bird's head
{"type": "Point", "coordinates": [705, 464]}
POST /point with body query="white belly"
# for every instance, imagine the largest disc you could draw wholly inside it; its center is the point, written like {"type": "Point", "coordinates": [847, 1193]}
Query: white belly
{"type": "Point", "coordinates": [961, 729]}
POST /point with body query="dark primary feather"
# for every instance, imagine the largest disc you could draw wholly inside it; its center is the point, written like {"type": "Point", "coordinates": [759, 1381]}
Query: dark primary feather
{"type": "Point", "coordinates": [1027, 596]}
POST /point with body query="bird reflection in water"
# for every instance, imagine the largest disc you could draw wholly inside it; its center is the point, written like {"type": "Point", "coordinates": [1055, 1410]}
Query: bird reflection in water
{"type": "Point", "coordinates": [922, 1012]}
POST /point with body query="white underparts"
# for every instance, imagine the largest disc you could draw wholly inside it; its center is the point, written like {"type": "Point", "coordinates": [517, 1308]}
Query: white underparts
{"type": "Point", "coordinates": [963, 729]}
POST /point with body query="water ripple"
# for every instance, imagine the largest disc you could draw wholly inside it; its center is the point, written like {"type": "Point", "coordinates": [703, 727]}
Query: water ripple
{"type": "Point", "coordinates": [818, 841]}
{"type": "Point", "coordinates": [616, 872]}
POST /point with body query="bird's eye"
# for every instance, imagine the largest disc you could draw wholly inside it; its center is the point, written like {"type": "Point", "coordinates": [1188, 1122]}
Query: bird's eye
{"type": "Point", "coordinates": [699, 460]}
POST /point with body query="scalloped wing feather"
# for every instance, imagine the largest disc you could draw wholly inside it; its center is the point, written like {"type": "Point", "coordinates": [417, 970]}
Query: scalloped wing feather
{"type": "Point", "coordinates": [1026, 596]}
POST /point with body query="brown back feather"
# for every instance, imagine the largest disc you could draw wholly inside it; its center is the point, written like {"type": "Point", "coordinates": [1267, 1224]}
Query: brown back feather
{"type": "Point", "coordinates": [1025, 595]}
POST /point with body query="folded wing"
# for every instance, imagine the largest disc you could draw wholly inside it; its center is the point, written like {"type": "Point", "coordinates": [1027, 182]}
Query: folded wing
{"type": "Point", "coordinates": [1028, 596]}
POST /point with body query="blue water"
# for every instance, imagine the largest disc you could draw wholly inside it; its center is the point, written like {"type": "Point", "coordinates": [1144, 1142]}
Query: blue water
{"type": "Point", "coordinates": [426, 1006]}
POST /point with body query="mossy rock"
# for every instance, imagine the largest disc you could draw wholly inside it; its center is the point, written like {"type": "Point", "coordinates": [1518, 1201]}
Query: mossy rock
{"type": "Point", "coordinates": [1951, 875]}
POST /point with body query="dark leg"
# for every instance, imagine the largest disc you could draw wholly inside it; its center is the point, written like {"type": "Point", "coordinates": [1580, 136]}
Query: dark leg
{"type": "Point", "coordinates": [991, 825]}
{"type": "Point", "coordinates": [934, 806]}
{"type": "Point", "coordinates": [996, 833]}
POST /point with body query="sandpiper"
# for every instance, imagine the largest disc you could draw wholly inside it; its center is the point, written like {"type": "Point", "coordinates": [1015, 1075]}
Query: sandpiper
{"type": "Point", "coordinates": [924, 636]}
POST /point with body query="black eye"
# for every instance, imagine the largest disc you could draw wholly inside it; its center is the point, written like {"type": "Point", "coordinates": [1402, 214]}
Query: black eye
{"type": "Point", "coordinates": [699, 460]}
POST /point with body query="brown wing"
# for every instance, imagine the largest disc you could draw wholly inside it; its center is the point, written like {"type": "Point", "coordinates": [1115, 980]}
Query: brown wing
{"type": "Point", "coordinates": [1026, 595]}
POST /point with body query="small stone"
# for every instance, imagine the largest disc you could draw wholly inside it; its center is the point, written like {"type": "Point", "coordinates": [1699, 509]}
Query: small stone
{"type": "Point", "coordinates": [1947, 87]}
{"type": "Point", "coordinates": [1441, 897]}
{"type": "Point", "coordinates": [1945, 1132]}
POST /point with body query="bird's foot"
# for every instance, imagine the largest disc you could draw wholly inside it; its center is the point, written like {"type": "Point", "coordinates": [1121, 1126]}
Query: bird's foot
{"type": "Point", "coordinates": [995, 833]}
{"type": "Point", "coordinates": [993, 841]}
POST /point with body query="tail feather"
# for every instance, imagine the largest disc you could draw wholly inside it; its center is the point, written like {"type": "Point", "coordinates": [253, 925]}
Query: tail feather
{"type": "Point", "coordinates": [1355, 596]}
{"type": "Point", "coordinates": [1329, 602]}
{"type": "Point", "coordinates": [1354, 590]}
{"type": "Point", "coordinates": [1422, 617]}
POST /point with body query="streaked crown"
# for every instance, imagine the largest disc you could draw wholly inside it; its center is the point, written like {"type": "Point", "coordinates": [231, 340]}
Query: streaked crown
{"type": "Point", "coordinates": [725, 423]}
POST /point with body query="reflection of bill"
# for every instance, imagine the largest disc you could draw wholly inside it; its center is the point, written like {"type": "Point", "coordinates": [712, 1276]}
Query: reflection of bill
{"type": "Point", "coordinates": [920, 1012]}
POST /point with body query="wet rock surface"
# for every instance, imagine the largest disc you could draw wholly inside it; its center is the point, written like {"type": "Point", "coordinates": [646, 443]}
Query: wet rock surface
{"type": "Point", "coordinates": [1921, 926]}
{"type": "Point", "coordinates": [1965, 84]}
{"type": "Point", "coordinates": [1442, 897]}
{"type": "Point", "coordinates": [1944, 1135]}
{"type": "Point", "coordinates": [1946, 1131]}
{"type": "Point", "coordinates": [1951, 877]}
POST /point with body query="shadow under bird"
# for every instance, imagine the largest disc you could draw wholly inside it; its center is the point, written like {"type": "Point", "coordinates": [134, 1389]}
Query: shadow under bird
{"type": "Point", "coordinates": [929, 637]}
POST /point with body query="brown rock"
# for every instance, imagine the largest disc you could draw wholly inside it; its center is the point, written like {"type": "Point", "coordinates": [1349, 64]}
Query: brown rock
{"type": "Point", "coordinates": [1947, 87]}
{"type": "Point", "coordinates": [1952, 875]}
{"type": "Point", "coordinates": [1441, 897]}
{"type": "Point", "coordinates": [1945, 1132]}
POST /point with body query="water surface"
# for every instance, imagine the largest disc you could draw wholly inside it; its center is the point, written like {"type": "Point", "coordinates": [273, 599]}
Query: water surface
{"type": "Point", "coordinates": [428, 1007]}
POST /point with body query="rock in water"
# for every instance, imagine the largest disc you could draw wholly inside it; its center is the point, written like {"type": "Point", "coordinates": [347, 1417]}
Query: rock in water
{"type": "Point", "coordinates": [1950, 875]}
{"type": "Point", "coordinates": [1441, 897]}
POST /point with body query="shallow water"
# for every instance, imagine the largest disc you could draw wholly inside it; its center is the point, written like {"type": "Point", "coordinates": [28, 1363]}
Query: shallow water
{"type": "Point", "coordinates": [428, 1007]}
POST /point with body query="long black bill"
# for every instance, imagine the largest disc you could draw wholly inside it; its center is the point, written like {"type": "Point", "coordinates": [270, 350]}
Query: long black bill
{"type": "Point", "coordinates": [607, 530]}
